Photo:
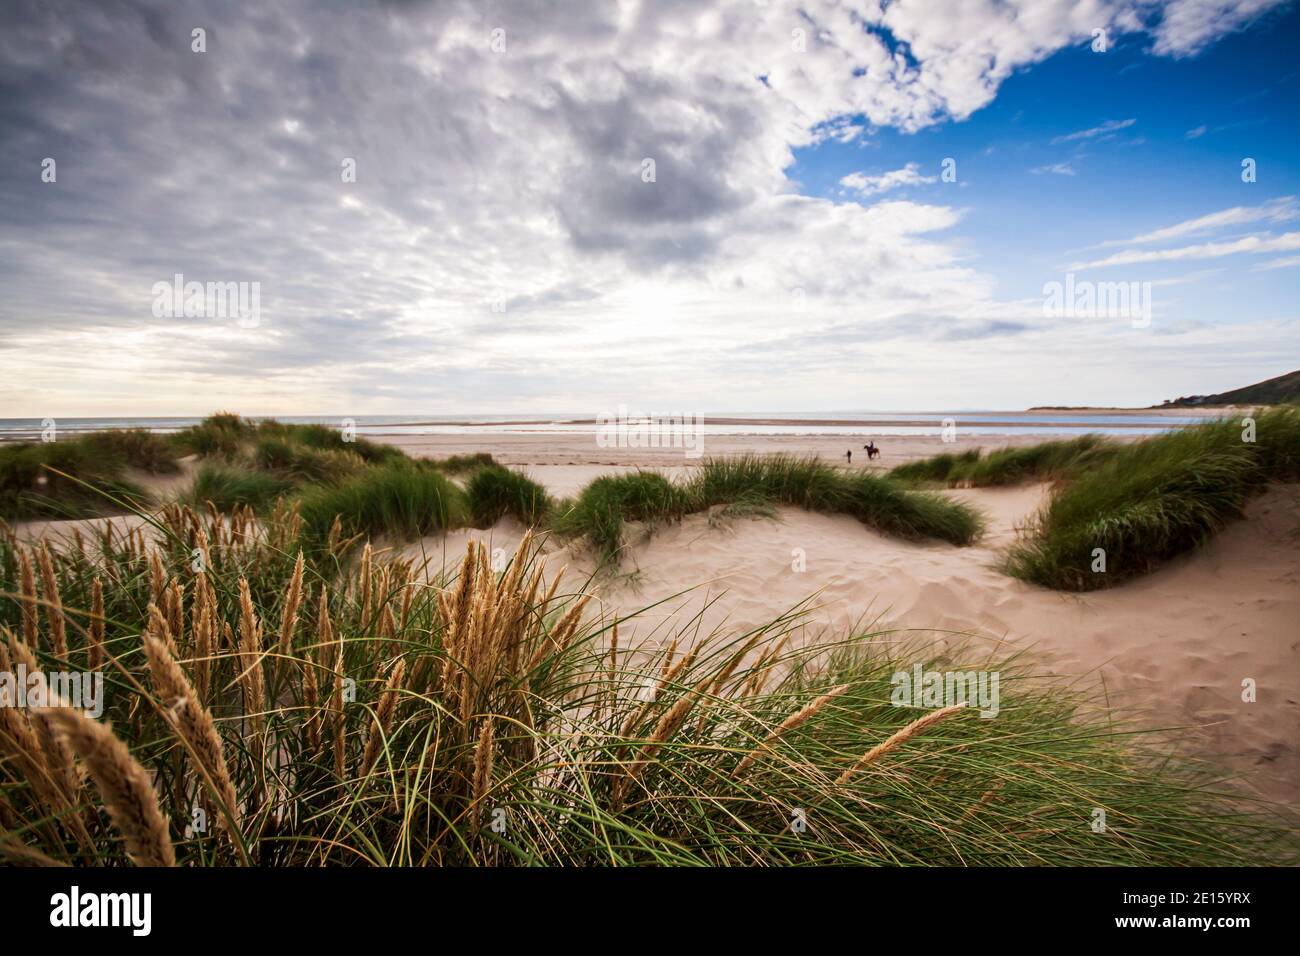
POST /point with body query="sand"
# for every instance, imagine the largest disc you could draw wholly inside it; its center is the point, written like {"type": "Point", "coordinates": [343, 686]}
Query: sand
{"type": "Point", "coordinates": [1170, 649]}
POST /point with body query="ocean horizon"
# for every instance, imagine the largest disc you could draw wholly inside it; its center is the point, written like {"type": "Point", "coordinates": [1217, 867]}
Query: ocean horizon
{"type": "Point", "coordinates": [978, 422]}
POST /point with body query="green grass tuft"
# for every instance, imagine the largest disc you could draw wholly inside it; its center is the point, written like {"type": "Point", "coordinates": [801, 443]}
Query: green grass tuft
{"type": "Point", "coordinates": [495, 491]}
{"type": "Point", "coordinates": [915, 515]}
{"type": "Point", "coordinates": [459, 464]}
{"type": "Point", "coordinates": [608, 502]}
{"type": "Point", "coordinates": [229, 485]}
{"type": "Point", "coordinates": [51, 479]}
{"type": "Point", "coordinates": [1154, 500]}
{"type": "Point", "coordinates": [400, 499]}
{"type": "Point", "coordinates": [757, 483]}
{"type": "Point", "coordinates": [303, 463]}
{"type": "Point", "coordinates": [1046, 461]}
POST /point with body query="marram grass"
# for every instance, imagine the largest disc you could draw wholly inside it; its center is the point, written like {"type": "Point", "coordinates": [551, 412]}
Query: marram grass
{"type": "Point", "coordinates": [603, 507]}
{"type": "Point", "coordinates": [1045, 461]}
{"type": "Point", "coordinates": [1151, 501]}
{"type": "Point", "coordinates": [351, 712]}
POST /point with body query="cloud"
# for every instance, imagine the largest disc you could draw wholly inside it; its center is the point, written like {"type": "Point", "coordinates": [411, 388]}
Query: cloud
{"type": "Point", "coordinates": [1286, 262]}
{"type": "Point", "coordinates": [1208, 250]}
{"type": "Point", "coordinates": [1059, 169]}
{"type": "Point", "coordinates": [870, 185]}
{"type": "Point", "coordinates": [1196, 133]}
{"type": "Point", "coordinates": [1187, 27]}
{"type": "Point", "coordinates": [1282, 209]}
{"type": "Point", "coordinates": [513, 178]}
{"type": "Point", "coordinates": [1105, 129]}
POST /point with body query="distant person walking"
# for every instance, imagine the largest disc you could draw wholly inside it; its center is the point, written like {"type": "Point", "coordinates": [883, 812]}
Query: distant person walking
{"type": "Point", "coordinates": [849, 455]}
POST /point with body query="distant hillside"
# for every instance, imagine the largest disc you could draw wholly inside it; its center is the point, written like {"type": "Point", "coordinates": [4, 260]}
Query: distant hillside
{"type": "Point", "coordinates": [1275, 391]}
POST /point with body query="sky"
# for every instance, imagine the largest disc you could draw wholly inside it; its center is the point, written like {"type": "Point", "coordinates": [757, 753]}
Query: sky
{"type": "Point", "coordinates": [750, 205]}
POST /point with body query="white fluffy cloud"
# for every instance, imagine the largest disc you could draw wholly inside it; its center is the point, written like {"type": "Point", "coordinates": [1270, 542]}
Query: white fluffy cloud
{"type": "Point", "coordinates": [866, 184]}
{"type": "Point", "coordinates": [1188, 26]}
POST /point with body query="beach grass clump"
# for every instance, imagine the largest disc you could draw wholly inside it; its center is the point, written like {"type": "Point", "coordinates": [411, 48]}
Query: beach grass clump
{"type": "Point", "coordinates": [915, 515]}
{"type": "Point", "coordinates": [133, 448]}
{"type": "Point", "coordinates": [604, 506]}
{"type": "Point", "coordinates": [802, 482]}
{"type": "Point", "coordinates": [461, 464]}
{"type": "Point", "coordinates": [73, 478]}
{"type": "Point", "coordinates": [231, 437]}
{"type": "Point", "coordinates": [223, 435]}
{"type": "Point", "coordinates": [404, 500]}
{"type": "Point", "coordinates": [228, 486]}
{"type": "Point", "coordinates": [1154, 500]}
{"type": "Point", "coordinates": [756, 484]}
{"type": "Point", "coordinates": [937, 468]}
{"type": "Point", "coordinates": [1045, 461]}
{"type": "Point", "coordinates": [810, 483]}
{"type": "Point", "coordinates": [494, 491]}
{"type": "Point", "coordinates": [326, 438]}
{"type": "Point", "coordinates": [494, 723]}
{"type": "Point", "coordinates": [303, 463]}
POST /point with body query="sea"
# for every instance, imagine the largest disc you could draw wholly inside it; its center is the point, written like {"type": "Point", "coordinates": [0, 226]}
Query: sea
{"type": "Point", "coordinates": [850, 422]}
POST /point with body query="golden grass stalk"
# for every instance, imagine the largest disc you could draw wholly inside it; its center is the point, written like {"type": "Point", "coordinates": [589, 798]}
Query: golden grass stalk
{"type": "Point", "coordinates": [363, 575]}
{"type": "Point", "coordinates": [19, 739]}
{"type": "Point", "coordinates": [383, 717]}
{"type": "Point", "coordinates": [122, 783]}
{"type": "Point", "coordinates": [191, 720]}
{"type": "Point", "coordinates": [482, 782]}
{"type": "Point", "coordinates": [918, 726]}
{"type": "Point", "coordinates": [763, 669]}
{"type": "Point", "coordinates": [251, 678]}
{"type": "Point", "coordinates": [55, 756]}
{"type": "Point", "coordinates": [666, 678]}
{"type": "Point", "coordinates": [668, 658]}
{"type": "Point", "coordinates": [157, 578]}
{"type": "Point", "coordinates": [289, 616]}
{"type": "Point", "coordinates": [31, 630]}
{"type": "Point", "coordinates": [175, 613]}
{"type": "Point", "coordinates": [203, 626]}
{"type": "Point", "coordinates": [408, 595]}
{"type": "Point", "coordinates": [562, 633]}
{"type": "Point", "coordinates": [53, 604]}
{"type": "Point", "coordinates": [795, 720]}
{"type": "Point", "coordinates": [310, 681]}
{"type": "Point", "coordinates": [668, 725]}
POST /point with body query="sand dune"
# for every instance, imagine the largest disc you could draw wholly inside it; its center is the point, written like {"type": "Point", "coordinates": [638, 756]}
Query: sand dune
{"type": "Point", "coordinates": [1170, 649]}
